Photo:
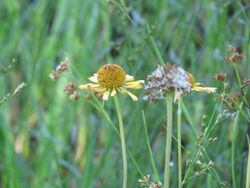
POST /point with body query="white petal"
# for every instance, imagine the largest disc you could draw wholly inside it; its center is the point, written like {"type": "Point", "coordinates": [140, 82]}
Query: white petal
{"type": "Point", "coordinates": [93, 78]}
{"type": "Point", "coordinates": [105, 96]}
{"type": "Point", "coordinates": [113, 92]}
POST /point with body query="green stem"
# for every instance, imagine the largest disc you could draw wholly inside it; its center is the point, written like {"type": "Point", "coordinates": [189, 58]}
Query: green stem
{"type": "Point", "coordinates": [149, 148]}
{"type": "Point", "coordinates": [189, 119]}
{"type": "Point", "coordinates": [248, 166]}
{"type": "Point", "coordinates": [179, 144]}
{"type": "Point", "coordinates": [124, 156]}
{"type": "Point", "coordinates": [240, 84]}
{"type": "Point", "coordinates": [169, 101]}
{"type": "Point", "coordinates": [237, 74]}
{"type": "Point", "coordinates": [235, 132]}
{"type": "Point", "coordinates": [100, 108]}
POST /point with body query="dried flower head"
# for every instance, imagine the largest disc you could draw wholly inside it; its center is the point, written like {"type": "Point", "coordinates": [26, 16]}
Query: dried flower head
{"type": "Point", "coordinates": [245, 83]}
{"type": "Point", "coordinates": [75, 96]}
{"type": "Point", "coordinates": [70, 88]}
{"type": "Point", "coordinates": [219, 76]}
{"type": "Point", "coordinates": [173, 79]}
{"type": "Point", "coordinates": [54, 75]}
{"type": "Point", "coordinates": [147, 182]}
{"type": "Point", "coordinates": [235, 55]}
{"type": "Point", "coordinates": [111, 78]}
{"type": "Point", "coordinates": [63, 66]}
{"type": "Point", "coordinates": [231, 100]}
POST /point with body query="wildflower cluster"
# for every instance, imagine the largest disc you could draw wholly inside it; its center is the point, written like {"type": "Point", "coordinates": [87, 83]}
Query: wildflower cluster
{"type": "Point", "coordinates": [111, 78]}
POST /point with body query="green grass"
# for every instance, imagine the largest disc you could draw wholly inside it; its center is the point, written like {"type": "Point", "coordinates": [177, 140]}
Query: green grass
{"type": "Point", "coordinates": [47, 140]}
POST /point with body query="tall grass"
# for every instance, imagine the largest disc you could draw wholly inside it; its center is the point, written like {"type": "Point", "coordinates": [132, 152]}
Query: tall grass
{"type": "Point", "coordinates": [47, 140]}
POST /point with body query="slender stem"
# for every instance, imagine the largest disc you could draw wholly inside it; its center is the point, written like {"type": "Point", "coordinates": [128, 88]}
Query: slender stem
{"type": "Point", "coordinates": [124, 156]}
{"type": "Point", "coordinates": [169, 101]}
{"type": "Point", "coordinates": [100, 108]}
{"type": "Point", "coordinates": [237, 74]}
{"type": "Point", "coordinates": [248, 166]}
{"type": "Point", "coordinates": [179, 144]}
{"type": "Point", "coordinates": [189, 119]}
{"type": "Point", "coordinates": [149, 148]}
{"type": "Point", "coordinates": [235, 132]}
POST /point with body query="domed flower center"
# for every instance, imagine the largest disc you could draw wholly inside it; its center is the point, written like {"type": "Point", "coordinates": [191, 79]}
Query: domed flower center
{"type": "Point", "coordinates": [111, 75]}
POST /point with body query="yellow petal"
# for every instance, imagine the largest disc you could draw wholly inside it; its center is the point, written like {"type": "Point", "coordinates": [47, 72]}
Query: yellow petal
{"type": "Point", "coordinates": [205, 89]}
{"type": "Point", "coordinates": [124, 91]}
{"type": "Point", "coordinates": [88, 86]}
{"type": "Point", "coordinates": [198, 84]}
{"type": "Point", "coordinates": [129, 78]}
{"type": "Point", "coordinates": [105, 96]}
{"type": "Point", "coordinates": [191, 79]}
{"type": "Point", "coordinates": [134, 85]}
{"type": "Point", "coordinates": [113, 92]}
{"type": "Point", "coordinates": [92, 87]}
{"type": "Point", "coordinates": [93, 78]}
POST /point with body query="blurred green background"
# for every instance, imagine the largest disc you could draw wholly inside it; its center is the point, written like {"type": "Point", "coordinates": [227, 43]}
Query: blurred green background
{"type": "Point", "coordinates": [47, 140]}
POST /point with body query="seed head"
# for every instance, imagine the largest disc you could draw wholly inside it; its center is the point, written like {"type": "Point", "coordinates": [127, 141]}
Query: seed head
{"type": "Point", "coordinates": [219, 76]}
{"type": "Point", "coordinates": [70, 88]}
{"type": "Point", "coordinates": [168, 78]}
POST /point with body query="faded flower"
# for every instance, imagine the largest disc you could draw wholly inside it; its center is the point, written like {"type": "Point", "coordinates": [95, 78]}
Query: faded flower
{"type": "Point", "coordinates": [172, 79]}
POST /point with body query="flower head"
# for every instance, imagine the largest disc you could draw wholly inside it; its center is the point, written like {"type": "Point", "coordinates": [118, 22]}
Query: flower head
{"type": "Point", "coordinates": [173, 79]}
{"type": "Point", "coordinates": [111, 78]}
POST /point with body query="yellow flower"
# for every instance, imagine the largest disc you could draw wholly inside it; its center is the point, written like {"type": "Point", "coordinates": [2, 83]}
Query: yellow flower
{"type": "Point", "coordinates": [199, 86]}
{"type": "Point", "coordinates": [111, 78]}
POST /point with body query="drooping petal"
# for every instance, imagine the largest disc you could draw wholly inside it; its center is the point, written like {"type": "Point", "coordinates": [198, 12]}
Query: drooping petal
{"type": "Point", "coordinates": [88, 86]}
{"type": "Point", "coordinates": [134, 85]}
{"type": "Point", "coordinates": [124, 91]}
{"type": "Point", "coordinates": [198, 84]}
{"type": "Point", "coordinates": [191, 79]}
{"type": "Point", "coordinates": [105, 96]}
{"type": "Point", "coordinates": [113, 92]}
{"type": "Point", "coordinates": [93, 78]}
{"type": "Point", "coordinates": [129, 78]}
{"type": "Point", "coordinates": [205, 89]}
{"type": "Point", "coordinates": [92, 87]}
